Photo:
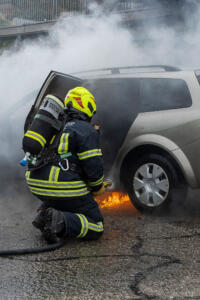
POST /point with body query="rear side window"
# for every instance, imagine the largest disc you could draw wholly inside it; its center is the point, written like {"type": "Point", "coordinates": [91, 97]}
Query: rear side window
{"type": "Point", "coordinates": [163, 94]}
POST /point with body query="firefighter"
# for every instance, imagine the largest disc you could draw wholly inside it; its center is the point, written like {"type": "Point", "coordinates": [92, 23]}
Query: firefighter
{"type": "Point", "coordinates": [67, 187]}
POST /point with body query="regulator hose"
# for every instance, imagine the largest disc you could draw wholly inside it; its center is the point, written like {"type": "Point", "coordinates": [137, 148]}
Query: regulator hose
{"type": "Point", "coordinates": [46, 248]}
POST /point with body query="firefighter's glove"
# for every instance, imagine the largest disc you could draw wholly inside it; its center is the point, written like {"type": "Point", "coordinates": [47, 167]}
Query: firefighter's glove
{"type": "Point", "coordinates": [102, 189]}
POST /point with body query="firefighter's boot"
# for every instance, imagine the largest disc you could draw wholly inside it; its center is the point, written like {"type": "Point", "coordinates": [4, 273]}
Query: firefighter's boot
{"type": "Point", "coordinates": [54, 226]}
{"type": "Point", "coordinates": [40, 219]}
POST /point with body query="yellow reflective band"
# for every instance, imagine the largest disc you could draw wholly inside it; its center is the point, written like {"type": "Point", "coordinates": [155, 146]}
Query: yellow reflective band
{"type": "Point", "coordinates": [57, 174]}
{"type": "Point", "coordinates": [51, 142]}
{"type": "Point", "coordinates": [94, 183]}
{"type": "Point", "coordinates": [84, 226]}
{"type": "Point", "coordinates": [54, 174]}
{"type": "Point", "coordinates": [96, 227]}
{"type": "Point", "coordinates": [59, 193]}
{"type": "Point", "coordinates": [51, 174]}
{"type": "Point", "coordinates": [89, 153]}
{"type": "Point", "coordinates": [27, 175]}
{"type": "Point", "coordinates": [63, 146]}
{"type": "Point", "coordinates": [56, 184]}
{"type": "Point", "coordinates": [36, 136]}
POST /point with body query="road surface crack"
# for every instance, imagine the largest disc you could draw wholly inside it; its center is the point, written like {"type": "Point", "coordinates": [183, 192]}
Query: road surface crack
{"type": "Point", "coordinates": [140, 276]}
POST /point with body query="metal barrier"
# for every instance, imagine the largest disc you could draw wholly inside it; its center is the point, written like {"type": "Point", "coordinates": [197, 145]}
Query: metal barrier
{"type": "Point", "coordinates": [21, 12]}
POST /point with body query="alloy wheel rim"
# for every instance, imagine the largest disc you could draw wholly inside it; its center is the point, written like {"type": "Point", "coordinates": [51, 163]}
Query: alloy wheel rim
{"type": "Point", "coordinates": [151, 184]}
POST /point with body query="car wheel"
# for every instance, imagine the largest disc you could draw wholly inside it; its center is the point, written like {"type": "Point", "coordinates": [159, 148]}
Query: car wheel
{"type": "Point", "coordinates": [153, 183]}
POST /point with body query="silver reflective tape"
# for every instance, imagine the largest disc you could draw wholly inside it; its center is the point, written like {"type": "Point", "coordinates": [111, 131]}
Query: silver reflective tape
{"type": "Point", "coordinates": [65, 142]}
{"type": "Point", "coordinates": [96, 182]}
{"type": "Point", "coordinates": [56, 184]}
{"type": "Point", "coordinates": [84, 224]}
{"type": "Point", "coordinates": [63, 147]}
{"type": "Point", "coordinates": [95, 227]}
{"type": "Point", "coordinates": [41, 139]}
{"type": "Point", "coordinates": [89, 153]}
{"type": "Point", "coordinates": [54, 173]}
{"type": "Point", "coordinates": [59, 193]}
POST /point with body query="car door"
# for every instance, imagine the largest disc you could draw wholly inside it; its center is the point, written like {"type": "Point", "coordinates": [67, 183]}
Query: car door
{"type": "Point", "coordinates": [57, 84]}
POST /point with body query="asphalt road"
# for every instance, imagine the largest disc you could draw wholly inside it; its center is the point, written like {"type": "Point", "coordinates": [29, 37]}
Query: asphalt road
{"type": "Point", "coordinates": [138, 257]}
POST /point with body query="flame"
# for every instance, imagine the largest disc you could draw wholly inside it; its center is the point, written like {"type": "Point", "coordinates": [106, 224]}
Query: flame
{"type": "Point", "coordinates": [117, 201]}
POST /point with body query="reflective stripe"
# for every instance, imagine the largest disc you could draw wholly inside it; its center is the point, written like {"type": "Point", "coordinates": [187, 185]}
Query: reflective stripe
{"type": "Point", "coordinates": [94, 183]}
{"type": "Point", "coordinates": [51, 173]}
{"type": "Point", "coordinates": [53, 138]}
{"type": "Point", "coordinates": [59, 193]}
{"type": "Point", "coordinates": [96, 227]}
{"type": "Point", "coordinates": [61, 184]}
{"type": "Point", "coordinates": [54, 174]}
{"type": "Point", "coordinates": [84, 226]}
{"type": "Point", "coordinates": [57, 174]}
{"type": "Point", "coordinates": [27, 175]}
{"type": "Point", "coordinates": [89, 153]}
{"type": "Point", "coordinates": [63, 146]}
{"type": "Point", "coordinates": [56, 183]}
{"type": "Point", "coordinates": [36, 136]}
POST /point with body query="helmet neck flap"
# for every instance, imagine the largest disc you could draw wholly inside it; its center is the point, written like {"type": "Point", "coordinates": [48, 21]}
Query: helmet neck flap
{"type": "Point", "coordinates": [73, 113]}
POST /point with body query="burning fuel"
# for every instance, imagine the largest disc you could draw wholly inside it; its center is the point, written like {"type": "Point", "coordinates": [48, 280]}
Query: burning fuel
{"type": "Point", "coordinates": [116, 201]}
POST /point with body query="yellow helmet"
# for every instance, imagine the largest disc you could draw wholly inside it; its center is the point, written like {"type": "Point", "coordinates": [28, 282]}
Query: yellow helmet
{"type": "Point", "coordinates": [82, 100]}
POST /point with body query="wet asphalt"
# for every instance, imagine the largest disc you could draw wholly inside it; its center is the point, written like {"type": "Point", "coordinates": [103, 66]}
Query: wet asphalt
{"type": "Point", "coordinates": [138, 257]}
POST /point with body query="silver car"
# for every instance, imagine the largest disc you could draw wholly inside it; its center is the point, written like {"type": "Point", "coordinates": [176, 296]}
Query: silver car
{"type": "Point", "coordinates": [150, 128]}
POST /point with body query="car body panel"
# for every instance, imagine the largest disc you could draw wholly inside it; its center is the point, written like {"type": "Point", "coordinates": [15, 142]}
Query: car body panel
{"type": "Point", "coordinates": [191, 151]}
{"type": "Point", "coordinates": [159, 142]}
{"type": "Point", "coordinates": [176, 131]}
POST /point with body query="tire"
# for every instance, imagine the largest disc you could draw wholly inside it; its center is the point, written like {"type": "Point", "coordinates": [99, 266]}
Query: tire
{"type": "Point", "coordinates": [154, 184]}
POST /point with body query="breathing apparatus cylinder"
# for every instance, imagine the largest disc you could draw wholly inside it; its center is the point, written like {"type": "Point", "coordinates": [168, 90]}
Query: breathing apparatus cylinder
{"type": "Point", "coordinates": [47, 122]}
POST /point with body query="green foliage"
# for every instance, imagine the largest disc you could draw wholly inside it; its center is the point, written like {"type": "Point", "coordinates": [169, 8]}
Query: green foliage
{"type": "Point", "coordinates": [4, 44]}
{"type": "Point", "coordinates": [3, 20]}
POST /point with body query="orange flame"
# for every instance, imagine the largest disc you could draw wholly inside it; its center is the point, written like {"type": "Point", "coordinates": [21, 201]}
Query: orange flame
{"type": "Point", "coordinates": [117, 201]}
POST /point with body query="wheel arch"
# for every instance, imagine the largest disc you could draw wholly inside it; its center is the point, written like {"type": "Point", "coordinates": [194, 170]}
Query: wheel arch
{"type": "Point", "coordinates": [141, 150]}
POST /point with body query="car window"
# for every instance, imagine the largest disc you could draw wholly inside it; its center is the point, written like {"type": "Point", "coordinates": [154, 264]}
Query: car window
{"type": "Point", "coordinates": [117, 108]}
{"type": "Point", "coordinates": [164, 93]}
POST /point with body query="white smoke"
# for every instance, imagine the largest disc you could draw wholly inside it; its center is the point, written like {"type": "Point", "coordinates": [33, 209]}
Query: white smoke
{"type": "Point", "coordinates": [82, 43]}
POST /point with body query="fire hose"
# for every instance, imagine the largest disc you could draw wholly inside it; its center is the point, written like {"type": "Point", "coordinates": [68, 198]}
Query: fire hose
{"type": "Point", "coordinates": [50, 247]}
{"type": "Point", "coordinates": [46, 248]}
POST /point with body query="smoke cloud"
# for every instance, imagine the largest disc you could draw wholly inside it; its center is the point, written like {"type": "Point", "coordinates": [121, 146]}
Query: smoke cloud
{"type": "Point", "coordinates": [83, 43]}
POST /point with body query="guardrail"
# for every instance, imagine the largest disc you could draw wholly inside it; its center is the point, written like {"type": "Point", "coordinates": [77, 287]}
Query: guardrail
{"type": "Point", "coordinates": [21, 12]}
{"type": "Point", "coordinates": [127, 16]}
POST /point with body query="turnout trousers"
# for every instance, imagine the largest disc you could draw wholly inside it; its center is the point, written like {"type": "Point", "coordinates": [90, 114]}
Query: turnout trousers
{"type": "Point", "coordinates": [86, 223]}
{"type": "Point", "coordinates": [68, 193]}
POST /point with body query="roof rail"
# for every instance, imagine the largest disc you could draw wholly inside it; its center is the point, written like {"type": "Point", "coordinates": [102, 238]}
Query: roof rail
{"type": "Point", "coordinates": [116, 70]}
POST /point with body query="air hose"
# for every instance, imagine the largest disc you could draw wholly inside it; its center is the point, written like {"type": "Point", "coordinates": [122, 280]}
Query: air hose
{"type": "Point", "coordinates": [46, 248]}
